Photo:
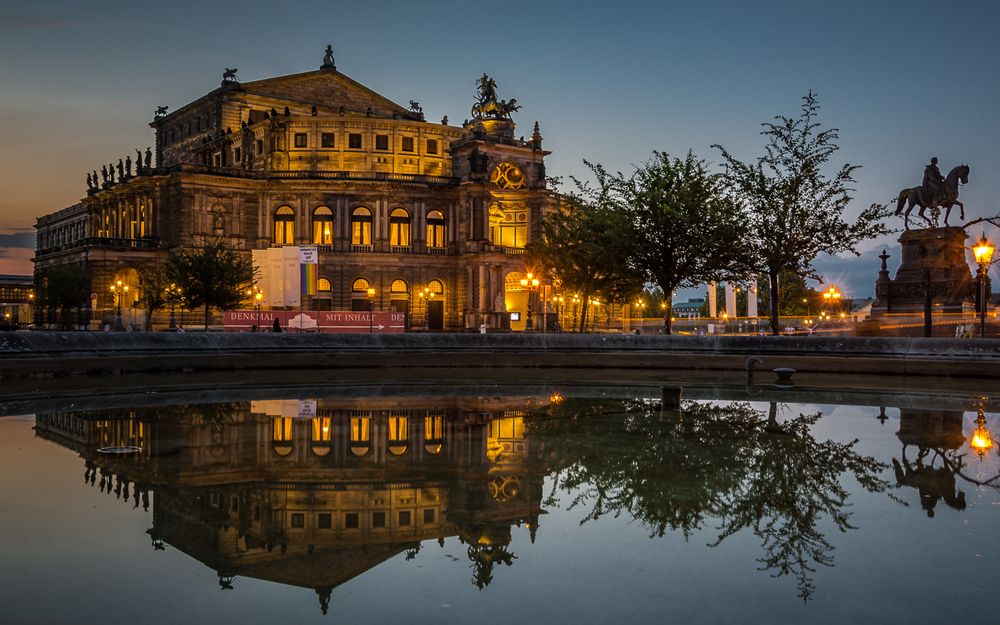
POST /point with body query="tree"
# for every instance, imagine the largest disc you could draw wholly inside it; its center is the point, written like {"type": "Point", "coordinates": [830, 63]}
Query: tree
{"type": "Point", "coordinates": [685, 229]}
{"type": "Point", "coordinates": [212, 276]}
{"type": "Point", "coordinates": [153, 291]}
{"type": "Point", "coordinates": [66, 287]}
{"type": "Point", "coordinates": [584, 244]}
{"type": "Point", "coordinates": [796, 210]}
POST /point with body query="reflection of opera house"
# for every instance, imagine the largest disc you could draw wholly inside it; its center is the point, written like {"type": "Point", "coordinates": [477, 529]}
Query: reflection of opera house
{"type": "Point", "coordinates": [314, 495]}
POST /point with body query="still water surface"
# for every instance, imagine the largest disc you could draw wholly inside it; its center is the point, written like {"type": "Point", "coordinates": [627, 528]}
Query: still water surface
{"type": "Point", "coordinates": [506, 508]}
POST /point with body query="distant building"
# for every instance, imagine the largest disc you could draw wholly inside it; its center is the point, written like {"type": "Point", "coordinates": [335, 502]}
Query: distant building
{"type": "Point", "coordinates": [392, 201]}
{"type": "Point", "coordinates": [17, 296]}
{"type": "Point", "coordinates": [691, 309]}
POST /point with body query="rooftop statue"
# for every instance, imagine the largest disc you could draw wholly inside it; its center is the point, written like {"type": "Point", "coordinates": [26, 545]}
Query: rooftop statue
{"type": "Point", "coordinates": [935, 192]}
{"type": "Point", "coordinates": [230, 75]}
{"type": "Point", "coordinates": [328, 59]}
{"type": "Point", "coordinates": [161, 111]}
{"type": "Point", "coordinates": [487, 105]}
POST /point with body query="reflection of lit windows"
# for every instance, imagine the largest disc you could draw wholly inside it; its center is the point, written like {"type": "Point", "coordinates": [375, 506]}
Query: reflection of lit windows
{"type": "Point", "coordinates": [324, 520]}
{"type": "Point", "coordinates": [351, 520]}
{"type": "Point", "coordinates": [433, 433]}
{"type": "Point", "coordinates": [429, 515]}
{"type": "Point", "coordinates": [360, 435]}
{"type": "Point", "coordinates": [404, 518]}
{"type": "Point", "coordinates": [378, 519]}
{"type": "Point", "coordinates": [399, 434]}
{"type": "Point", "coordinates": [507, 428]}
{"type": "Point", "coordinates": [322, 433]}
{"type": "Point", "coordinates": [298, 520]}
{"type": "Point", "coordinates": [281, 435]}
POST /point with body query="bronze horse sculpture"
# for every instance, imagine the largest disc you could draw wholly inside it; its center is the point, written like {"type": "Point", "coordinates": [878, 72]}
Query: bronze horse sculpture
{"type": "Point", "coordinates": [915, 196]}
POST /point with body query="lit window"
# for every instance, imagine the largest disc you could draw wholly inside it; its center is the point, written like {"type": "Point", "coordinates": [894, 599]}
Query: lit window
{"type": "Point", "coordinates": [435, 230]}
{"type": "Point", "coordinates": [508, 228]}
{"type": "Point", "coordinates": [323, 285]}
{"type": "Point", "coordinates": [284, 226]}
{"type": "Point", "coordinates": [399, 227]}
{"type": "Point", "coordinates": [301, 140]}
{"type": "Point", "coordinates": [321, 429]}
{"type": "Point", "coordinates": [361, 226]}
{"type": "Point", "coordinates": [323, 226]}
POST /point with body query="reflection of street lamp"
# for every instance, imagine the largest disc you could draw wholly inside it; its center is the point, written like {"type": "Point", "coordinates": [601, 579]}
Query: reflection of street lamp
{"type": "Point", "coordinates": [981, 441]}
{"type": "Point", "coordinates": [118, 291]}
{"type": "Point", "coordinates": [530, 283]}
{"type": "Point", "coordinates": [983, 252]}
{"type": "Point", "coordinates": [371, 310]}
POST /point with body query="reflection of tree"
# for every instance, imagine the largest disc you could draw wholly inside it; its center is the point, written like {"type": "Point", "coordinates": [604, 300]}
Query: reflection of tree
{"type": "Point", "coordinates": [731, 464]}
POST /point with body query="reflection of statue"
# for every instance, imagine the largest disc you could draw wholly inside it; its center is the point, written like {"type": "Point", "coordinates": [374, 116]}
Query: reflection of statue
{"type": "Point", "coordinates": [934, 192]}
{"type": "Point", "coordinates": [933, 484]}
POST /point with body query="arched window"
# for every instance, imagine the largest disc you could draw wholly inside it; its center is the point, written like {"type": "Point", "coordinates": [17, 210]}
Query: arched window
{"type": "Point", "coordinates": [359, 295]}
{"type": "Point", "coordinates": [399, 228]}
{"type": "Point", "coordinates": [399, 296]}
{"type": "Point", "coordinates": [323, 226]}
{"type": "Point", "coordinates": [281, 435]}
{"type": "Point", "coordinates": [284, 226]}
{"type": "Point", "coordinates": [433, 434]}
{"type": "Point", "coordinates": [361, 435]}
{"type": "Point", "coordinates": [436, 230]}
{"type": "Point", "coordinates": [360, 287]}
{"type": "Point", "coordinates": [399, 435]}
{"type": "Point", "coordinates": [435, 287]}
{"type": "Point", "coordinates": [323, 285]}
{"type": "Point", "coordinates": [361, 226]}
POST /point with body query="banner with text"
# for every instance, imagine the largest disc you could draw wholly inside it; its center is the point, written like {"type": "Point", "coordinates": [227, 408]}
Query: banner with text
{"type": "Point", "coordinates": [326, 321]}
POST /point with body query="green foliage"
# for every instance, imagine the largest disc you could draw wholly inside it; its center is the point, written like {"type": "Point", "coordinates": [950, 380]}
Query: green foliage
{"type": "Point", "coordinates": [212, 276]}
{"type": "Point", "coordinates": [797, 210]}
{"type": "Point", "coordinates": [584, 245]}
{"type": "Point", "coordinates": [727, 467]}
{"type": "Point", "coordinates": [685, 228]}
{"type": "Point", "coordinates": [66, 287]}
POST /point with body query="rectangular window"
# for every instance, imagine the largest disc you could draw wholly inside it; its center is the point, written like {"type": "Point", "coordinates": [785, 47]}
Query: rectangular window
{"type": "Point", "coordinates": [298, 520]}
{"type": "Point", "coordinates": [237, 153]}
{"type": "Point", "coordinates": [301, 140]}
{"type": "Point", "coordinates": [327, 140]}
{"type": "Point", "coordinates": [404, 518]}
{"type": "Point", "coordinates": [354, 141]}
{"type": "Point", "coordinates": [432, 146]}
{"type": "Point", "coordinates": [378, 519]}
{"type": "Point", "coordinates": [429, 515]}
{"type": "Point", "coordinates": [260, 147]}
{"type": "Point", "coordinates": [381, 142]}
{"type": "Point", "coordinates": [407, 144]}
{"type": "Point", "coordinates": [217, 159]}
{"type": "Point", "coordinates": [351, 520]}
{"type": "Point", "coordinates": [324, 520]}
{"type": "Point", "coordinates": [256, 512]}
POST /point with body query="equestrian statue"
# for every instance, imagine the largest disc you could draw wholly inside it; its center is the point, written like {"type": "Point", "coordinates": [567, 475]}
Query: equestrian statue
{"type": "Point", "coordinates": [935, 192]}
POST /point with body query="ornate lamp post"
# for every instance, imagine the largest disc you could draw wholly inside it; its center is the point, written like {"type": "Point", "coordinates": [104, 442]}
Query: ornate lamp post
{"type": "Point", "coordinates": [559, 300]}
{"type": "Point", "coordinates": [173, 292]}
{"type": "Point", "coordinates": [983, 252]}
{"type": "Point", "coordinates": [118, 291]}
{"type": "Point", "coordinates": [981, 441]}
{"type": "Point", "coordinates": [258, 298]}
{"type": "Point", "coordinates": [371, 310]}
{"type": "Point", "coordinates": [426, 296]}
{"type": "Point", "coordinates": [530, 283]}
{"type": "Point", "coordinates": [576, 304]}
{"type": "Point", "coordinates": [831, 298]}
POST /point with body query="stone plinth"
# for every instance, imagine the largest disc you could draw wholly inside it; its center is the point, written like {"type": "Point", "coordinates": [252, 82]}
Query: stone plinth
{"type": "Point", "coordinates": [933, 262]}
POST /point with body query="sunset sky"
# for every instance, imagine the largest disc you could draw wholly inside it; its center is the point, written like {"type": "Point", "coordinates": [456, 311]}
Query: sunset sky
{"type": "Point", "coordinates": [609, 82]}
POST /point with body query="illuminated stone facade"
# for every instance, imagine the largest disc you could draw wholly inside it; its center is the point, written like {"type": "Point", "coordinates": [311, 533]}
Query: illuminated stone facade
{"type": "Point", "coordinates": [259, 490]}
{"type": "Point", "coordinates": [393, 201]}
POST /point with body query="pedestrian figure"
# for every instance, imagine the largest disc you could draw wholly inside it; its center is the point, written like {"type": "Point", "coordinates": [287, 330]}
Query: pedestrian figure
{"type": "Point", "coordinates": [277, 325]}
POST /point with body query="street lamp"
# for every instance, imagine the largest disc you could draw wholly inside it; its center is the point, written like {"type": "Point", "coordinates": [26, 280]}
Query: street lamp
{"type": "Point", "coordinates": [118, 291]}
{"type": "Point", "coordinates": [371, 310]}
{"type": "Point", "coordinates": [426, 296]}
{"type": "Point", "coordinates": [530, 283]}
{"type": "Point", "coordinates": [576, 303]}
{"type": "Point", "coordinates": [173, 292]}
{"type": "Point", "coordinates": [983, 252]}
{"type": "Point", "coordinates": [832, 297]}
{"type": "Point", "coordinates": [259, 298]}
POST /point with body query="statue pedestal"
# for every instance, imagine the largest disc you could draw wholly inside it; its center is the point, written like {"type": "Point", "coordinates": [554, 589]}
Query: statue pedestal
{"type": "Point", "coordinates": [933, 261]}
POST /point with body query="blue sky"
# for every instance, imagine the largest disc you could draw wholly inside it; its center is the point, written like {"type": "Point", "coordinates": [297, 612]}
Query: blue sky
{"type": "Point", "coordinates": [610, 82]}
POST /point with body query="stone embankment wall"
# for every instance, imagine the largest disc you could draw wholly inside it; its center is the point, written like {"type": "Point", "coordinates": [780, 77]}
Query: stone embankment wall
{"type": "Point", "coordinates": [45, 354]}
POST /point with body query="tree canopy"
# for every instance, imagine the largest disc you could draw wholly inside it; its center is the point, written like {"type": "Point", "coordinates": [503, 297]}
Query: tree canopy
{"type": "Point", "coordinates": [211, 276]}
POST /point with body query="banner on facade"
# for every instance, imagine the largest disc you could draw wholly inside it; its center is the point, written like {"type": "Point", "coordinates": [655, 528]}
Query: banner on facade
{"type": "Point", "coordinates": [326, 321]}
{"type": "Point", "coordinates": [309, 265]}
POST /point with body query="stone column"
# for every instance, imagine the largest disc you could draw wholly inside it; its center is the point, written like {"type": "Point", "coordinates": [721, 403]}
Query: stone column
{"type": "Point", "coordinates": [730, 300]}
{"type": "Point", "coordinates": [752, 300]}
{"type": "Point", "coordinates": [712, 307]}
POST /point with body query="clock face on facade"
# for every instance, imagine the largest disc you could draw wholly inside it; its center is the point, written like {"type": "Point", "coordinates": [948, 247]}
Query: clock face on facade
{"type": "Point", "coordinates": [507, 176]}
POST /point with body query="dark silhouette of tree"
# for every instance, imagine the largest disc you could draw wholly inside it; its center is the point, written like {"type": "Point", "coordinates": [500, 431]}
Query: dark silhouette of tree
{"type": "Point", "coordinates": [153, 294]}
{"type": "Point", "coordinates": [796, 210]}
{"type": "Point", "coordinates": [727, 467]}
{"type": "Point", "coordinates": [64, 288]}
{"type": "Point", "coordinates": [212, 276]}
